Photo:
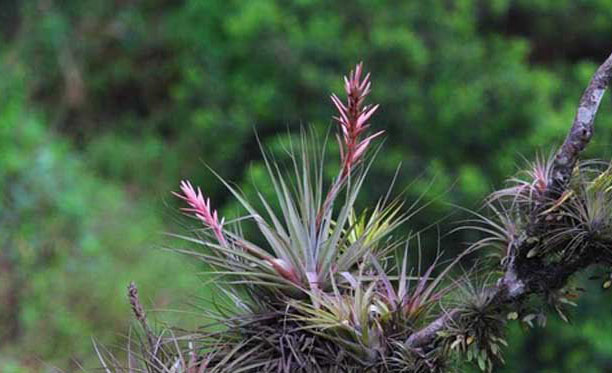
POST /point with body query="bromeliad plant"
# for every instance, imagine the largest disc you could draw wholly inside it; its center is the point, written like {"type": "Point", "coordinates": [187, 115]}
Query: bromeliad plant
{"type": "Point", "coordinates": [332, 290]}
{"type": "Point", "coordinates": [312, 239]}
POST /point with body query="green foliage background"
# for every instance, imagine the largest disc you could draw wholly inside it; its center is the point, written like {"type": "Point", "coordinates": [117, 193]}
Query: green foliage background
{"type": "Point", "coordinates": [105, 105]}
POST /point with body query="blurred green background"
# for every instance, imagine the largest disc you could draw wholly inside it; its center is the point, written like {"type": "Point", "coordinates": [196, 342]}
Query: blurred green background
{"type": "Point", "coordinates": [105, 105]}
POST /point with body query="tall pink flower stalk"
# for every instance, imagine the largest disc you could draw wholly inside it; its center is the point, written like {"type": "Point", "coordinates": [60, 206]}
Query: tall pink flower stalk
{"type": "Point", "coordinates": [353, 119]}
{"type": "Point", "coordinates": [202, 210]}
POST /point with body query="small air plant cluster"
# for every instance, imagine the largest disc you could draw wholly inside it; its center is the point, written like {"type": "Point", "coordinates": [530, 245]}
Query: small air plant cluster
{"type": "Point", "coordinates": [477, 333]}
{"type": "Point", "coordinates": [555, 227]}
{"type": "Point", "coordinates": [325, 288]}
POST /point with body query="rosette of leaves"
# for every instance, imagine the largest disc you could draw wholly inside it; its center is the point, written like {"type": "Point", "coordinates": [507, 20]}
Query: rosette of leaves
{"type": "Point", "coordinates": [323, 292]}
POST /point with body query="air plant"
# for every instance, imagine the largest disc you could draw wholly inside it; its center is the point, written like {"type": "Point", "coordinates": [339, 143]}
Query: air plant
{"type": "Point", "coordinates": [529, 185]}
{"type": "Point", "coordinates": [318, 277]}
{"type": "Point", "coordinates": [501, 229]}
{"type": "Point", "coordinates": [349, 318]}
{"type": "Point", "coordinates": [412, 297]}
{"type": "Point", "coordinates": [478, 330]}
{"type": "Point", "coordinates": [588, 211]}
{"type": "Point", "coordinates": [577, 218]}
{"type": "Point", "coordinates": [306, 244]}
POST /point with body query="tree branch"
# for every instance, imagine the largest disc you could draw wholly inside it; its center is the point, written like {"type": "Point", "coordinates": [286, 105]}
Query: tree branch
{"type": "Point", "coordinates": [582, 128]}
{"type": "Point", "coordinates": [527, 276]}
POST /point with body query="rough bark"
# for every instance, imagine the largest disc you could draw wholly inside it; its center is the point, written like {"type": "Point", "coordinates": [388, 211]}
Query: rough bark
{"type": "Point", "coordinates": [582, 129]}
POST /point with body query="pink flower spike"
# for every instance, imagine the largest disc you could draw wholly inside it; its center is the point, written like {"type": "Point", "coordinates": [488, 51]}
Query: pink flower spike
{"type": "Point", "coordinates": [353, 117]}
{"type": "Point", "coordinates": [201, 209]}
